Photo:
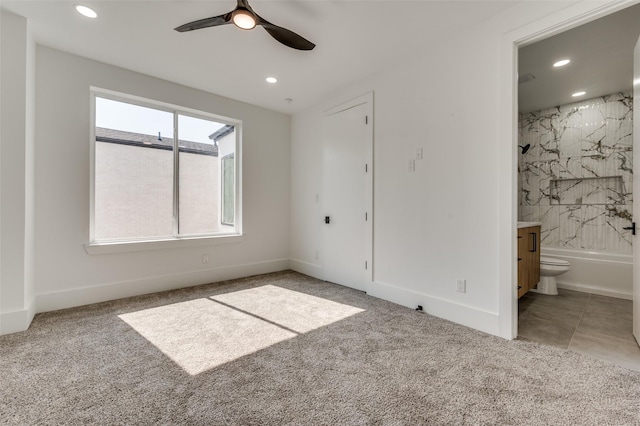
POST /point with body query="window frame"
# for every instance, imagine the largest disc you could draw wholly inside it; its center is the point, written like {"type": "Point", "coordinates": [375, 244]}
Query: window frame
{"type": "Point", "coordinates": [222, 189]}
{"type": "Point", "coordinates": [177, 239]}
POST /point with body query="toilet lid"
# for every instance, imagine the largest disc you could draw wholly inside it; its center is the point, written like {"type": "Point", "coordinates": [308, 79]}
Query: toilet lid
{"type": "Point", "coordinates": [553, 261]}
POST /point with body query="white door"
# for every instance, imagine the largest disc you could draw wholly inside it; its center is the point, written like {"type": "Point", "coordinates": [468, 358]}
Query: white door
{"type": "Point", "coordinates": [347, 186]}
{"type": "Point", "coordinates": [636, 190]}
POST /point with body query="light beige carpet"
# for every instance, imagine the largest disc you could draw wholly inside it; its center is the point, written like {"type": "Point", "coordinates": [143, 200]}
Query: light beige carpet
{"type": "Point", "coordinates": [288, 349]}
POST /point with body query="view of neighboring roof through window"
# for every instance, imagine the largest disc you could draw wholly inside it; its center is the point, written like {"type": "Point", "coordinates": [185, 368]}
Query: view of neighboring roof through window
{"type": "Point", "coordinates": [145, 189]}
{"type": "Point", "coordinates": [150, 121]}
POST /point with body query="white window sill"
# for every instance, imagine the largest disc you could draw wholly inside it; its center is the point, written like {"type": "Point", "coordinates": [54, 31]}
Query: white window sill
{"type": "Point", "coordinates": [130, 246]}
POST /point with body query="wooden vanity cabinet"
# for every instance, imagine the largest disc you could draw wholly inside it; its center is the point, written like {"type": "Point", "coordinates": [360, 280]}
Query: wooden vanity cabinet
{"type": "Point", "coordinates": [528, 258]}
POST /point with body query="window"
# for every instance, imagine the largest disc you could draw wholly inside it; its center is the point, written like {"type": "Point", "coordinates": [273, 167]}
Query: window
{"type": "Point", "coordinates": [228, 189]}
{"type": "Point", "coordinates": [161, 172]}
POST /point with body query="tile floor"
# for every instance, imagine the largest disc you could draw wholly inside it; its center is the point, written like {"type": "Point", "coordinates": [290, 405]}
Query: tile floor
{"type": "Point", "coordinates": [594, 325]}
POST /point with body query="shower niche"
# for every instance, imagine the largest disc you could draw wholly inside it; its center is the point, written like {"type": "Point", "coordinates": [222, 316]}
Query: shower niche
{"type": "Point", "coordinates": [598, 190]}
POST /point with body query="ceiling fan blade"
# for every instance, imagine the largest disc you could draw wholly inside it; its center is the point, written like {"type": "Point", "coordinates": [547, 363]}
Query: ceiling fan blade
{"type": "Point", "coordinates": [205, 23]}
{"type": "Point", "coordinates": [285, 36]}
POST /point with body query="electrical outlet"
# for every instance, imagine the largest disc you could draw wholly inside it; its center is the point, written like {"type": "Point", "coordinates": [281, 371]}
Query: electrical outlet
{"type": "Point", "coordinates": [412, 165]}
{"type": "Point", "coordinates": [462, 286]}
{"type": "Point", "coordinates": [205, 258]}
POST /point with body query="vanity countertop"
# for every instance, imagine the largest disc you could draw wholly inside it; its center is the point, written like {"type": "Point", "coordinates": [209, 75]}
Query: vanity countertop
{"type": "Point", "coordinates": [528, 224]}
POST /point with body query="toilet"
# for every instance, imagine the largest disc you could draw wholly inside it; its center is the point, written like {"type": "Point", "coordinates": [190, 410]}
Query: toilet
{"type": "Point", "coordinates": [550, 268]}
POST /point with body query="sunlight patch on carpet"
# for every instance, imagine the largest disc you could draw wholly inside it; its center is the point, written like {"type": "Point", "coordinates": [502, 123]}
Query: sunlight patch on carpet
{"type": "Point", "coordinates": [204, 333]}
{"type": "Point", "coordinates": [299, 312]}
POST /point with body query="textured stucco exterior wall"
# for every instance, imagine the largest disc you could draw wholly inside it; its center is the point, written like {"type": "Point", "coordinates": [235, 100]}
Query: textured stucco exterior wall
{"type": "Point", "coordinates": [134, 192]}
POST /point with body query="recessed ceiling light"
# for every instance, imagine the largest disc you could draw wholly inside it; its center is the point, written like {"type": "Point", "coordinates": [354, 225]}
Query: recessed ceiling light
{"type": "Point", "coordinates": [575, 95]}
{"type": "Point", "coordinates": [561, 63]}
{"type": "Point", "coordinates": [86, 11]}
{"type": "Point", "coordinates": [271, 80]}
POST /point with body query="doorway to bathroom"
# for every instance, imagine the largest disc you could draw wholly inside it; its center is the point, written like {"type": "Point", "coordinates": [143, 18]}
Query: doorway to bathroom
{"type": "Point", "coordinates": [575, 181]}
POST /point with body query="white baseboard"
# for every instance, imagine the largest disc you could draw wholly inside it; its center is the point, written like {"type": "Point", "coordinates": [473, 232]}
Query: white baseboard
{"type": "Point", "coordinates": [311, 269]}
{"type": "Point", "coordinates": [17, 321]}
{"type": "Point", "coordinates": [461, 314]}
{"type": "Point", "coordinates": [596, 290]}
{"type": "Point", "coordinates": [118, 290]}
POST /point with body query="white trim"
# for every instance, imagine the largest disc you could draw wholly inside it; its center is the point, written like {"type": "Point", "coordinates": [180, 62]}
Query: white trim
{"type": "Point", "coordinates": [238, 183]}
{"type": "Point", "coordinates": [507, 193]}
{"type": "Point", "coordinates": [469, 316]}
{"type": "Point", "coordinates": [570, 17]}
{"type": "Point", "coordinates": [13, 322]}
{"type": "Point", "coordinates": [131, 246]}
{"type": "Point", "coordinates": [370, 160]}
{"type": "Point", "coordinates": [311, 269]}
{"type": "Point", "coordinates": [17, 321]}
{"type": "Point", "coordinates": [351, 103]}
{"type": "Point", "coordinates": [92, 164]}
{"type": "Point", "coordinates": [175, 220]}
{"type": "Point", "coordinates": [118, 290]}
{"type": "Point", "coordinates": [221, 193]}
{"type": "Point", "coordinates": [596, 290]}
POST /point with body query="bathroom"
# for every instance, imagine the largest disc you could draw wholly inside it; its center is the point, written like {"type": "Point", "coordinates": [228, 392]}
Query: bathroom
{"type": "Point", "coordinates": [575, 180]}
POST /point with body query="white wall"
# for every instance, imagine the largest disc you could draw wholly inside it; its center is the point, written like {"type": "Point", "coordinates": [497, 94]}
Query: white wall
{"type": "Point", "coordinates": [65, 274]}
{"type": "Point", "coordinates": [16, 168]}
{"type": "Point", "coordinates": [444, 221]}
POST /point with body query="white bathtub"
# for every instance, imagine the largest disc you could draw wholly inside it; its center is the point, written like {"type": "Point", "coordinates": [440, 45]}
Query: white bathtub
{"type": "Point", "coordinates": [595, 272]}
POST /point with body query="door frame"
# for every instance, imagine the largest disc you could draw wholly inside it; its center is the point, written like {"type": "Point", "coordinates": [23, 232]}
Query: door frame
{"type": "Point", "coordinates": [563, 20]}
{"type": "Point", "coordinates": [635, 315]}
{"type": "Point", "coordinates": [367, 100]}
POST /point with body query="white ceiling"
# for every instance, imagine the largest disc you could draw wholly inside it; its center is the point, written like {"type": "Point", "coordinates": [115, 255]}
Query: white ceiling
{"type": "Point", "coordinates": [601, 54]}
{"type": "Point", "coordinates": [354, 39]}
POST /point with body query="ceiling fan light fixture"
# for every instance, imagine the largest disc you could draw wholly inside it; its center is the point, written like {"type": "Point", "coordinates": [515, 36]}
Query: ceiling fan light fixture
{"type": "Point", "coordinates": [243, 19]}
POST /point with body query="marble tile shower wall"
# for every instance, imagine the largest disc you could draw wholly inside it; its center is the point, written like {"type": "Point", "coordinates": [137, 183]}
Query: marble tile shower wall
{"type": "Point", "coordinates": [576, 177]}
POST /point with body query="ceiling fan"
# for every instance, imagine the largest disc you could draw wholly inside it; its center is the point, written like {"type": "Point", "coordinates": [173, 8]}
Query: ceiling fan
{"type": "Point", "coordinates": [245, 18]}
